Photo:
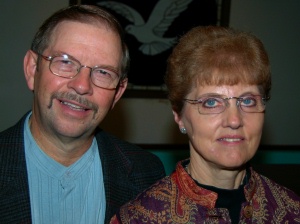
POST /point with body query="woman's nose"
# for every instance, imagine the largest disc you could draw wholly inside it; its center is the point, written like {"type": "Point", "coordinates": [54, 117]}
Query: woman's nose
{"type": "Point", "coordinates": [233, 117]}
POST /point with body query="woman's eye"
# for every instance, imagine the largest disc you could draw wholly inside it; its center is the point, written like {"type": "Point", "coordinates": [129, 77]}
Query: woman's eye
{"type": "Point", "coordinates": [212, 102]}
{"type": "Point", "coordinates": [249, 101]}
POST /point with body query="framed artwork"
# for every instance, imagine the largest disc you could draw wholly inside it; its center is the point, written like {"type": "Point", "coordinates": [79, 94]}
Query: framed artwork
{"type": "Point", "coordinates": [152, 29]}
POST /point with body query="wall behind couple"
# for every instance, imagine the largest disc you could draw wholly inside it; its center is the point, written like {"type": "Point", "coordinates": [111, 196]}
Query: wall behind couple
{"type": "Point", "coordinates": [150, 121]}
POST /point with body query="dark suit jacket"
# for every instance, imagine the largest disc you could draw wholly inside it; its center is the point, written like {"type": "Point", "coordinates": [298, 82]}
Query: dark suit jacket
{"type": "Point", "coordinates": [127, 171]}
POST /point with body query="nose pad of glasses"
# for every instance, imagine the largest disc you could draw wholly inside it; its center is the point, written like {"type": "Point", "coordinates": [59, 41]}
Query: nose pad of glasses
{"type": "Point", "coordinates": [238, 102]}
{"type": "Point", "coordinates": [85, 66]}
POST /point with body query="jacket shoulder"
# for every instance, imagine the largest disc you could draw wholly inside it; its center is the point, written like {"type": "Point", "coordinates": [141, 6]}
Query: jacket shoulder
{"type": "Point", "coordinates": [110, 145]}
{"type": "Point", "coordinates": [127, 170]}
{"type": "Point", "coordinates": [14, 191]}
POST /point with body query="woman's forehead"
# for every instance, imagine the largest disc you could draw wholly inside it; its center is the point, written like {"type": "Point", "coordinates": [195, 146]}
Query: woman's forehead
{"type": "Point", "coordinates": [226, 90]}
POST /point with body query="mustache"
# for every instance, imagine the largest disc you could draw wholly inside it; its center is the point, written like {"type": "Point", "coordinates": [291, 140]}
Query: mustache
{"type": "Point", "coordinates": [73, 97]}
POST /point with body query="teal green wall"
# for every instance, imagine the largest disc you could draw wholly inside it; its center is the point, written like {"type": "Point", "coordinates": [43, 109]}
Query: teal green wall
{"type": "Point", "coordinates": [169, 158]}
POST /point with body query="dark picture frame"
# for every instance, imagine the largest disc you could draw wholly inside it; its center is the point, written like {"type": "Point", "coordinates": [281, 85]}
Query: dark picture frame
{"type": "Point", "coordinates": [150, 45]}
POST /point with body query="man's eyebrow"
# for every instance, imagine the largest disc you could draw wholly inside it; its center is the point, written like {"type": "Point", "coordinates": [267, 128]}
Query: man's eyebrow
{"type": "Point", "coordinates": [104, 66]}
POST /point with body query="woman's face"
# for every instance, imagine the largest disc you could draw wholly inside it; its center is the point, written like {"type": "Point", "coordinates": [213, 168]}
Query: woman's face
{"type": "Point", "coordinates": [226, 140]}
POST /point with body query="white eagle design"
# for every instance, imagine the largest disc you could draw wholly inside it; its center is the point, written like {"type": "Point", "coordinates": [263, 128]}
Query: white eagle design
{"type": "Point", "coordinates": [150, 33]}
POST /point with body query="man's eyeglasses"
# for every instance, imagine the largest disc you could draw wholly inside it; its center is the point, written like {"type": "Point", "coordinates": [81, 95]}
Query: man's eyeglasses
{"type": "Point", "coordinates": [217, 104]}
{"type": "Point", "coordinates": [68, 67]}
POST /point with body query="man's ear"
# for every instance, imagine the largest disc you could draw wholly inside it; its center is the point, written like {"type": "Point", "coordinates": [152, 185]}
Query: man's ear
{"type": "Point", "coordinates": [30, 67]}
{"type": "Point", "coordinates": [120, 90]}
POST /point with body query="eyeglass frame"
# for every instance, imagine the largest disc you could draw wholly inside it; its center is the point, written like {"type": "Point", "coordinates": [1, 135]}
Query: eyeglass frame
{"type": "Point", "coordinates": [50, 59]}
{"type": "Point", "coordinates": [226, 99]}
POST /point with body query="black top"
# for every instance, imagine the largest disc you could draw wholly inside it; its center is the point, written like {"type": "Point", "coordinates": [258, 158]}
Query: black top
{"type": "Point", "coordinates": [230, 199]}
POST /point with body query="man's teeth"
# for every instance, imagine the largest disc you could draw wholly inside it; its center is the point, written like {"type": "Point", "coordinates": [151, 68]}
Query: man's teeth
{"type": "Point", "coordinates": [231, 139]}
{"type": "Point", "coordinates": [73, 106]}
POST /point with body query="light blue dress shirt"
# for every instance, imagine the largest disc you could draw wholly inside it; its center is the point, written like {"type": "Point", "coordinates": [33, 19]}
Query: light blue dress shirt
{"type": "Point", "coordinates": [64, 195]}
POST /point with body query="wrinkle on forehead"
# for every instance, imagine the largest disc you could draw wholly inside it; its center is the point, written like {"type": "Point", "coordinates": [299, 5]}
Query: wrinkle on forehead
{"type": "Point", "coordinates": [87, 42]}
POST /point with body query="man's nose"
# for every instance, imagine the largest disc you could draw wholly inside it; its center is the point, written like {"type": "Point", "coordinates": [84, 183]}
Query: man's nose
{"type": "Point", "coordinates": [81, 83]}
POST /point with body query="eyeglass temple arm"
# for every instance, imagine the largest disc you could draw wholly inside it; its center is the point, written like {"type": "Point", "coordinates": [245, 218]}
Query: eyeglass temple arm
{"type": "Point", "coordinates": [192, 101]}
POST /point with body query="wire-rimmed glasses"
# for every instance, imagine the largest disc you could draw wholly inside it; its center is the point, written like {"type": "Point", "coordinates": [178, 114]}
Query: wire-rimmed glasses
{"type": "Point", "coordinates": [66, 66]}
{"type": "Point", "coordinates": [217, 104]}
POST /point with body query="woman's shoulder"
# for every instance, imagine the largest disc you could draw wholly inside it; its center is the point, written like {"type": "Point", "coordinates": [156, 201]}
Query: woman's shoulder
{"type": "Point", "coordinates": [153, 194]}
{"type": "Point", "coordinates": [274, 191]}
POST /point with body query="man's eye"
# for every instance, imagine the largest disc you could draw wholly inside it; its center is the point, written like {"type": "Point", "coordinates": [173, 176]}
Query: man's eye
{"type": "Point", "coordinates": [105, 73]}
{"type": "Point", "coordinates": [102, 72]}
{"type": "Point", "coordinates": [63, 65]}
{"type": "Point", "coordinates": [63, 62]}
{"type": "Point", "coordinates": [67, 62]}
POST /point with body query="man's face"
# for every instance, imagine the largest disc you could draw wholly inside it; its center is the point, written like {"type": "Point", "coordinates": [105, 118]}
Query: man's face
{"type": "Point", "coordinates": [73, 108]}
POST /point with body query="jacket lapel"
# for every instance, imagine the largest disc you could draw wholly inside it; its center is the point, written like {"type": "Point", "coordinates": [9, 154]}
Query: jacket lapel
{"type": "Point", "coordinates": [116, 169]}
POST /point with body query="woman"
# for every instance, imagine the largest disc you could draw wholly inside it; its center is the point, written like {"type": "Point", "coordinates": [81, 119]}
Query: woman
{"type": "Point", "coordinates": [219, 82]}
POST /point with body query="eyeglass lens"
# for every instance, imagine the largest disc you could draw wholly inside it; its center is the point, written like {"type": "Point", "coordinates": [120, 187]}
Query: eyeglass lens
{"type": "Point", "coordinates": [215, 105]}
{"type": "Point", "coordinates": [66, 67]}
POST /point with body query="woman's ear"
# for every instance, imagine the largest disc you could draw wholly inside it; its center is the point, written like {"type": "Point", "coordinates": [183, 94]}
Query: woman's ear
{"type": "Point", "coordinates": [30, 67]}
{"type": "Point", "coordinates": [180, 122]}
{"type": "Point", "coordinates": [177, 119]}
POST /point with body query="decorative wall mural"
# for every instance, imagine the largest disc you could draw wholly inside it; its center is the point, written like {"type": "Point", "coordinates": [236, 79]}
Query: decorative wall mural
{"type": "Point", "coordinates": [152, 29]}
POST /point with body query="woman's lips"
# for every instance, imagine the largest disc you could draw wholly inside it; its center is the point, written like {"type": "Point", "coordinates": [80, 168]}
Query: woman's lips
{"type": "Point", "coordinates": [231, 138]}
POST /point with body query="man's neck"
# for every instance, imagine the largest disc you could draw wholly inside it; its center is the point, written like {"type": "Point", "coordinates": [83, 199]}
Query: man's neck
{"type": "Point", "coordinates": [65, 151]}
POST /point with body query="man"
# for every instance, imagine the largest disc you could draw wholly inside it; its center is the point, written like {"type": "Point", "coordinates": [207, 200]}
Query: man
{"type": "Point", "coordinates": [56, 166]}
